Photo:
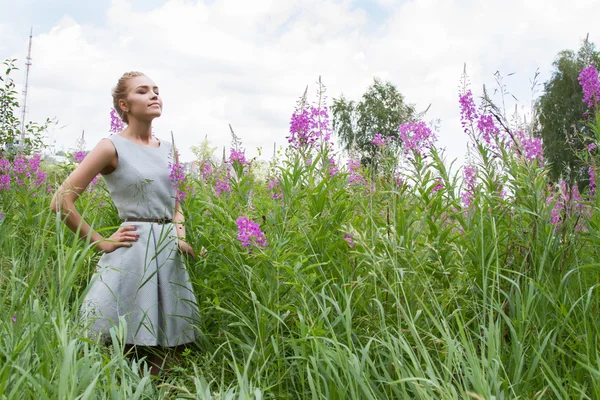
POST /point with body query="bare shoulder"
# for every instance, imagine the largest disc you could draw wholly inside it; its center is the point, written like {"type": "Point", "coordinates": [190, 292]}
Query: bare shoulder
{"type": "Point", "coordinates": [103, 157]}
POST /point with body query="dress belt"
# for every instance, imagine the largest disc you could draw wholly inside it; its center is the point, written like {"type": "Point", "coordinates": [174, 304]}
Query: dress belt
{"type": "Point", "coordinates": [163, 221]}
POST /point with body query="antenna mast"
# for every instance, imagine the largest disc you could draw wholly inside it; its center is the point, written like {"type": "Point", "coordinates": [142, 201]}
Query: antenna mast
{"type": "Point", "coordinates": [24, 107]}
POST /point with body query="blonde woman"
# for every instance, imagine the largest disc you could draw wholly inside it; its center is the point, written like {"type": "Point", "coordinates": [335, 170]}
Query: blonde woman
{"type": "Point", "coordinates": [140, 278]}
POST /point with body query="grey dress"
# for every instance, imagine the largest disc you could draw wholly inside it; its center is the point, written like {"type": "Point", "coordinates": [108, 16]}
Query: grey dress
{"type": "Point", "coordinates": [146, 284]}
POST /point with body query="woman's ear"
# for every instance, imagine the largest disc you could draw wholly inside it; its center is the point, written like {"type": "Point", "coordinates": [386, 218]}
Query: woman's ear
{"type": "Point", "coordinates": [123, 105]}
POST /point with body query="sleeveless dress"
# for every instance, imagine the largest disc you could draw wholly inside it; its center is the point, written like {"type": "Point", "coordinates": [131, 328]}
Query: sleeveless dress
{"type": "Point", "coordinates": [146, 284]}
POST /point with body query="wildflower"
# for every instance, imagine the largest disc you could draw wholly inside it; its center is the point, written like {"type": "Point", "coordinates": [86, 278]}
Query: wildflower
{"type": "Point", "coordinates": [469, 176]}
{"type": "Point", "coordinates": [19, 165]}
{"type": "Point", "coordinates": [222, 185]}
{"type": "Point", "coordinates": [79, 156]}
{"type": "Point", "coordinates": [439, 186]}
{"type": "Point", "coordinates": [531, 147]}
{"type": "Point", "coordinates": [177, 178]}
{"type": "Point", "coordinates": [34, 163]}
{"type": "Point", "coordinates": [14, 318]}
{"type": "Point", "coordinates": [378, 140]}
{"type": "Point", "coordinates": [249, 233]}
{"type": "Point", "coordinates": [207, 170]}
{"type": "Point", "coordinates": [354, 177]}
{"type": "Point", "coordinates": [487, 128]}
{"type": "Point", "coordinates": [588, 79]}
{"type": "Point", "coordinates": [468, 111]}
{"type": "Point", "coordinates": [40, 178]}
{"type": "Point", "coordinates": [4, 165]}
{"type": "Point", "coordinates": [349, 239]}
{"type": "Point", "coordinates": [4, 182]}
{"type": "Point", "coordinates": [238, 156]}
{"type": "Point", "coordinates": [309, 125]}
{"type": "Point", "coordinates": [274, 187]}
{"type": "Point", "coordinates": [333, 169]}
{"type": "Point", "coordinates": [416, 136]}
{"type": "Point", "coordinates": [591, 147]}
{"type": "Point", "coordinates": [116, 124]}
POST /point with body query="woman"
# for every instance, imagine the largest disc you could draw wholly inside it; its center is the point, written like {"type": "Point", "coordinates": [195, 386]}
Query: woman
{"type": "Point", "coordinates": [140, 277]}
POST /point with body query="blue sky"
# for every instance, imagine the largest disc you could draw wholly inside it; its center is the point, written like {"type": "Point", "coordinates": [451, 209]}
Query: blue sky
{"type": "Point", "coordinates": [246, 63]}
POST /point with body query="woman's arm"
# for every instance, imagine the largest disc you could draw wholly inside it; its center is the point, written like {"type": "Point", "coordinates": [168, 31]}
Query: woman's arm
{"type": "Point", "coordinates": [102, 159]}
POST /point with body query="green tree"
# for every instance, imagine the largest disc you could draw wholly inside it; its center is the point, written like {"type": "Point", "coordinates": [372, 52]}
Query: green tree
{"type": "Point", "coordinates": [561, 114]}
{"type": "Point", "coordinates": [12, 139]}
{"type": "Point", "coordinates": [381, 109]}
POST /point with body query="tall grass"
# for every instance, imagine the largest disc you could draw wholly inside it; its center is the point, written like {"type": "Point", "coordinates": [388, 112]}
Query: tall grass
{"type": "Point", "coordinates": [434, 300]}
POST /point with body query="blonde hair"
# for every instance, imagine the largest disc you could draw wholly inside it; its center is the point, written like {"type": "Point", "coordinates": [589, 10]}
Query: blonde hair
{"type": "Point", "coordinates": [119, 92]}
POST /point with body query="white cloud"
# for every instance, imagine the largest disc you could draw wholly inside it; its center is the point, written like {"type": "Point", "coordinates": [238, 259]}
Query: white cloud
{"type": "Point", "coordinates": [246, 63]}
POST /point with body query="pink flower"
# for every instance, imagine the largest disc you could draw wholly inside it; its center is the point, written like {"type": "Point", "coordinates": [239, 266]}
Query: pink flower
{"type": "Point", "coordinates": [249, 233]}
{"type": "Point", "coordinates": [588, 79]}
{"type": "Point", "coordinates": [349, 239]}
{"type": "Point", "coordinates": [79, 156]}
{"type": "Point", "coordinates": [238, 156]}
{"type": "Point", "coordinates": [4, 182]}
{"type": "Point", "coordinates": [207, 170]}
{"type": "Point", "coordinates": [416, 137]}
{"type": "Point", "coordinates": [378, 140]}
{"type": "Point", "coordinates": [274, 187]}
{"type": "Point", "coordinates": [116, 124]}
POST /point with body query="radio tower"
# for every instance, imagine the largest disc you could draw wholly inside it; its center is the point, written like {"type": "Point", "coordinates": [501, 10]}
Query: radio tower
{"type": "Point", "coordinates": [24, 107]}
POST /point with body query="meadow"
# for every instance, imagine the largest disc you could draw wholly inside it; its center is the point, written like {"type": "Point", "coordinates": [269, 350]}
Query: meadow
{"type": "Point", "coordinates": [330, 280]}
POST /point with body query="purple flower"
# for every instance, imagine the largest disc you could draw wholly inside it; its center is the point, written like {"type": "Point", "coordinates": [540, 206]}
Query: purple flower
{"type": "Point", "coordinates": [469, 176]}
{"type": "Point", "coordinates": [116, 124]}
{"type": "Point", "coordinates": [19, 165]}
{"type": "Point", "coordinates": [468, 111]}
{"type": "Point", "coordinates": [222, 186]}
{"type": "Point", "coordinates": [14, 318]}
{"type": "Point", "coordinates": [274, 187]}
{"type": "Point", "coordinates": [439, 186]}
{"type": "Point", "coordinates": [532, 147]}
{"type": "Point", "coordinates": [4, 165]}
{"type": "Point", "coordinates": [207, 170]}
{"type": "Point", "coordinates": [4, 182]}
{"type": "Point", "coordinates": [591, 147]}
{"type": "Point", "coordinates": [79, 156]}
{"type": "Point", "coordinates": [588, 79]}
{"type": "Point", "coordinates": [309, 125]}
{"type": "Point", "coordinates": [354, 176]}
{"type": "Point", "coordinates": [177, 178]}
{"type": "Point", "coordinates": [349, 239]}
{"type": "Point", "coordinates": [40, 178]}
{"type": "Point", "coordinates": [333, 169]}
{"type": "Point", "coordinates": [249, 233]}
{"type": "Point", "coordinates": [416, 137]}
{"type": "Point", "coordinates": [487, 128]}
{"type": "Point", "coordinates": [378, 140]}
{"type": "Point", "coordinates": [238, 156]}
{"type": "Point", "coordinates": [34, 163]}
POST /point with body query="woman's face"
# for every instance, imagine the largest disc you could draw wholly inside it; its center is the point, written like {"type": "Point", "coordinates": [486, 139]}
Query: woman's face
{"type": "Point", "coordinates": [143, 101]}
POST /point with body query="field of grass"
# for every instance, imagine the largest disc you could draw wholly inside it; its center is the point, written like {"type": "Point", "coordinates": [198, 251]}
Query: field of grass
{"type": "Point", "coordinates": [400, 281]}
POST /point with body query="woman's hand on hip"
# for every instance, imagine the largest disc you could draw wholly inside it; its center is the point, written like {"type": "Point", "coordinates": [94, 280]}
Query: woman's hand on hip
{"type": "Point", "coordinates": [123, 237]}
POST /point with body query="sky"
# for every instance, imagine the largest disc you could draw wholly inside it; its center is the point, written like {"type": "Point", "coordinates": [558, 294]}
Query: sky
{"type": "Point", "coordinates": [246, 63]}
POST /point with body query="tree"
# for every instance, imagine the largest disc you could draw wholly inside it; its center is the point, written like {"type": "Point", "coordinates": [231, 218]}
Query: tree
{"type": "Point", "coordinates": [561, 114]}
{"type": "Point", "coordinates": [381, 110]}
{"type": "Point", "coordinates": [10, 124]}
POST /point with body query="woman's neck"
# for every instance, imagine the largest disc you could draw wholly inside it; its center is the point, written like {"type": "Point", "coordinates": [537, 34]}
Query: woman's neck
{"type": "Point", "coordinates": [139, 131]}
